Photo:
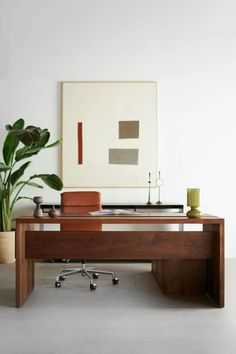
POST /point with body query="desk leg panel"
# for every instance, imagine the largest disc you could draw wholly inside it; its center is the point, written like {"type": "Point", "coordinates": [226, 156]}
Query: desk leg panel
{"type": "Point", "coordinates": [24, 268]}
{"type": "Point", "coordinates": [181, 277]}
{"type": "Point", "coordinates": [215, 283]}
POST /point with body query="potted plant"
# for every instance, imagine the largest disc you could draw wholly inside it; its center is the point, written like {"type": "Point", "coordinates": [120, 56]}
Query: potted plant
{"type": "Point", "coordinates": [20, 144]}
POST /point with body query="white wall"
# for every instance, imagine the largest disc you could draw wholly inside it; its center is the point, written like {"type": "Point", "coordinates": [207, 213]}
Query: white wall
{"type": "Point", "coordinates": [188, 46]}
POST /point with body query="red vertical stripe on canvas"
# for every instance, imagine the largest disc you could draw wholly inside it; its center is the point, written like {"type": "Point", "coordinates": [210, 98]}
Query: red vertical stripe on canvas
{"type": "Point", "coordinates": [80, 143]}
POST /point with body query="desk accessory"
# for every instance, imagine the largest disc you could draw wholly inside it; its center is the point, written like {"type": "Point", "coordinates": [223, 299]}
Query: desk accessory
{"type": "Point", "coordinates": [149, 189]}
{"type": "Point", "coordinates": [159, 184]}
{"type": "Point", "coordinates": [38, 213]}
{"type": "Point", "coordinates": [53, 213]}
{"type": "Point", "coordinates": [193, 201]}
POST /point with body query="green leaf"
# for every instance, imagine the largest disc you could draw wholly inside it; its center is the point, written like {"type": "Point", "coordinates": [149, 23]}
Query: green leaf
{"type": "Point", "coordinates": [33, 184]}
{"type": "Point", "coordinates": [26, 152]}
{"type": "Point", "coordinates": [19, 173]}
{"type": "Point", "coordinates": [57, 142]}
{"type": "Point", "coordinates": [27, 136]}
{"type": "Point", "coordinates": [29, 183]}
{"type": "Point", "coordinates": [11, 142]}
{"type": "Point", "coordinates": [4, 168]}
{"type": "Point", "coordinates": [44, 137]}
{"type": "Point", "coordinates": [52, 180]}
{"type": "Point", "coordinates": [24, 198]}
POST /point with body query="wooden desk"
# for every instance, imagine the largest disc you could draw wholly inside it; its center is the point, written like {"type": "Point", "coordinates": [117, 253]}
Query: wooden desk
{"type": "Point", "coordinates": [183, 262]}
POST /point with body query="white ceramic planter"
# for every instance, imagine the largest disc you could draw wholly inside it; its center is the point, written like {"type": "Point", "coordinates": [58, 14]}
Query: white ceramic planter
{"type": "Point", "coordinates": [7, 247]}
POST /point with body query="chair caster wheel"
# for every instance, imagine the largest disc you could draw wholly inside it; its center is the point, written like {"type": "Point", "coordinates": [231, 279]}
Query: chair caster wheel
{"type": "Point", "coordinates": [95, 275]}
{"type": "Point", "coordinates": [115, 280]}
{"type": "Point", "coordinates": [62, 277]}
{"type": "Point", "coordinates": [57, 284]}
{"type": "Point", "coordinates": [93, 286]}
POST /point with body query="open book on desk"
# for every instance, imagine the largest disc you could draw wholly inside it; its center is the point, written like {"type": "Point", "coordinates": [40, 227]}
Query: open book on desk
{"type": "Point", "coordinates": [114, 212]}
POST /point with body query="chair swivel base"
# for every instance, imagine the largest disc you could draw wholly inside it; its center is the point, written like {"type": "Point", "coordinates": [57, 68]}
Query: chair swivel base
{"type": "Point", "coordinates": [84, 272]}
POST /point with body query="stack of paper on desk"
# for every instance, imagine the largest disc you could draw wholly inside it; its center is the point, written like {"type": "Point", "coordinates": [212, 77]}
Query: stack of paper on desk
{"type": "Point", "coordinates": [114, 212]}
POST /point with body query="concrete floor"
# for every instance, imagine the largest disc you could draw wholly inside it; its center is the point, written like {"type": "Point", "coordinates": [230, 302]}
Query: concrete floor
{"type": "Point", "coordinates": [132, 317]}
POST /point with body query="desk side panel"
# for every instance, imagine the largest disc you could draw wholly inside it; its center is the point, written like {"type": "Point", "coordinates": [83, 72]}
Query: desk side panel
{"type": "Point", "coordinates": [216, 265]}
{"type": "Point", "coordinates": [24, 268]}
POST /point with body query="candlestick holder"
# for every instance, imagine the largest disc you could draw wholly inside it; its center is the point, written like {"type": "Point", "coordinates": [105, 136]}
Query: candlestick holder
{"type": "Point", "coordinates": [149, 189]}
{"type": "Point", "coordinates": [38, 213]}
{"type": "Point", "coordinates": [159, 184]}
{"type": "Point", "coordinates": [193, 201]}
{"type": "Point", "coordinates": [194, 212]}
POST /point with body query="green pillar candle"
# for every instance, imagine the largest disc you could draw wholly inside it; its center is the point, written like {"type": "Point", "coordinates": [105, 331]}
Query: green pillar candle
{"type": "Point", "coordinates": [193, 197]}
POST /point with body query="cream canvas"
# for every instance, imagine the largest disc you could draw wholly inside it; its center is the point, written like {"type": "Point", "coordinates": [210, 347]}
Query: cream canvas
{"type": "Point", "coordinates": [109, 133]}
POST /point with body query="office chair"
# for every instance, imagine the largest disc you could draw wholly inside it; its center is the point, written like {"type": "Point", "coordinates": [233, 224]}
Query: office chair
{"type": "Point", "coordinates": [82, 202]}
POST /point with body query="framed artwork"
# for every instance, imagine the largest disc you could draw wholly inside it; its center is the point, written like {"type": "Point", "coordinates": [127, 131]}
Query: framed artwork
{"type": "Point", "coordinates": [109, 133]}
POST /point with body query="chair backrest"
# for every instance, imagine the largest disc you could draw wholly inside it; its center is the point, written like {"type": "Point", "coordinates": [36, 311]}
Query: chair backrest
{"type": "Point", "coordinates": [80, 202]}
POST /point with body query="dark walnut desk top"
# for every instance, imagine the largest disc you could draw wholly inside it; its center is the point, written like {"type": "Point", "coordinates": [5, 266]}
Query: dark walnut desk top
{"type": "Point", "coordinates": [145, 218]}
